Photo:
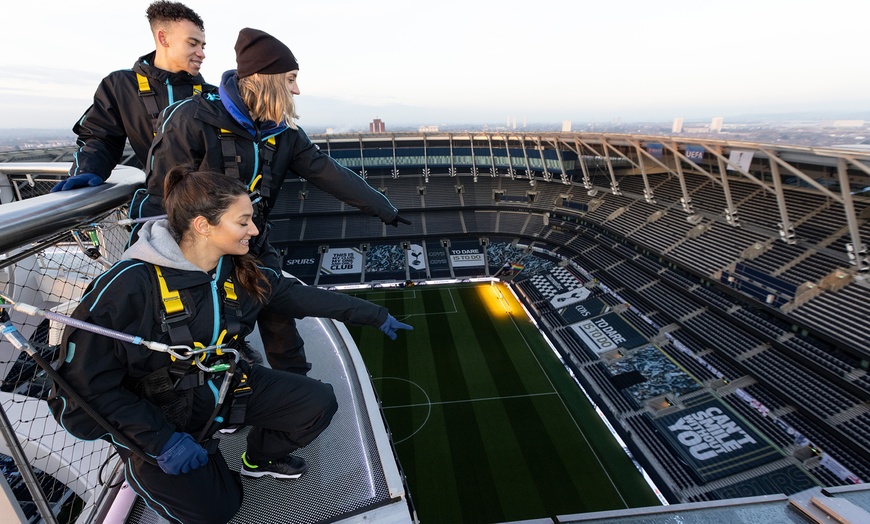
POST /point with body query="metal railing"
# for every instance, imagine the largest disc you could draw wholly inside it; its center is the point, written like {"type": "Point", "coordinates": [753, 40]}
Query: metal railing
{"type": "Point", "coordinates": [51, 247]}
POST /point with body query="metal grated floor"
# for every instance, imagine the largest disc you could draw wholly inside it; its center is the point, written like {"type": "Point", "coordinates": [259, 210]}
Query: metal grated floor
{"type": "Point", "coordinates": [345, 477]}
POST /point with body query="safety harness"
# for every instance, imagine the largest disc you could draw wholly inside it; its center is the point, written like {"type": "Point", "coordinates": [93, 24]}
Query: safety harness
{"type": "Point", "coordinates": [260, 185]}
{"type": "Point", "coordinates": [149, 98]}
{"type": "Point", "coordinates": [172, 388]}
{"type": "Point", "coordinates": [261, 182]}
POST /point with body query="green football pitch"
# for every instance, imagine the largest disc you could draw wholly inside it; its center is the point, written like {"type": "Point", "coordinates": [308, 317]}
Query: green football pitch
{"type": "Point", "coordinates": [487, 423]}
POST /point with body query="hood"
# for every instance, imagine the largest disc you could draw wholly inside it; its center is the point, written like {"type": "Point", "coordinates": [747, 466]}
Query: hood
{"type": "Point", "coordinates": [145, 66]}
{"type": "Point", "coordinates": [232, 101]}
{"type": "Point", "coordinates": [157, 246]}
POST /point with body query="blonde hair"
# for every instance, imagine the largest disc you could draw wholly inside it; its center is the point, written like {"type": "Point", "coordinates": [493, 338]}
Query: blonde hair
{"type": "Point", "coordinates": [268, 97]}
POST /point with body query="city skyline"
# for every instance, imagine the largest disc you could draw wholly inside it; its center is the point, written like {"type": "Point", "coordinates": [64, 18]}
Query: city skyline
{"type": "Point", "coordinates": [485, 61]}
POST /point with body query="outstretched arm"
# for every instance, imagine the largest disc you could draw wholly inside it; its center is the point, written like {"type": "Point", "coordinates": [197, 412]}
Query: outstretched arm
{"type": "Point", "coordinates": [325, 173]}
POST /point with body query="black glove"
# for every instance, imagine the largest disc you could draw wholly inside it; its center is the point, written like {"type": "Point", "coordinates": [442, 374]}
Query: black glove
{"type": "Point", "coordinates": [397, 220]}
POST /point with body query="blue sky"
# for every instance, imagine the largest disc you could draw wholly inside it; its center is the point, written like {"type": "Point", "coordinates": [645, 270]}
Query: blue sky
{"type": "Point", "coordinates": [472, 61]}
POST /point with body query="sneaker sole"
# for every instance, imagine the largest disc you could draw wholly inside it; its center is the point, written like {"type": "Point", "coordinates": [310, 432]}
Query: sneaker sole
{"type": "Point", "coordinates": [258, 474]}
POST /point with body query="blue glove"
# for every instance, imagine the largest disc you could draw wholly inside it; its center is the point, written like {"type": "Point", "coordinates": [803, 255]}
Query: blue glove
{"type": "Point", "coordinates": [181, 454]}
{"type": "Point", "coordinates": [390, 326]}
{"type": "Point", "coordinates": [74, 182]}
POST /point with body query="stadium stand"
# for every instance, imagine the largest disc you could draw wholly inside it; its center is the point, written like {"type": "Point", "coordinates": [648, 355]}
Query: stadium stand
{"type": "Point", "coordinates": [699, 290]}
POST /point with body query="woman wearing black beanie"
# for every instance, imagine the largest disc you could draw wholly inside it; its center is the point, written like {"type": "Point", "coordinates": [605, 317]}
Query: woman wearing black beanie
{"type": "Point", "coordinates": [248, 132]}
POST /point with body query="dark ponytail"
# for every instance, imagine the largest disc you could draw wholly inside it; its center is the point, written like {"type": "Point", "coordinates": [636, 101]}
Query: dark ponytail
{"type": "Point", "coordinates": [189, 194]}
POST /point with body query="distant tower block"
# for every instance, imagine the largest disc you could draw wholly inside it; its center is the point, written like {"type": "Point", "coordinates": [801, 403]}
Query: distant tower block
{"type": "Point", "coordinates": [566, 126]}
{"type": "Point", "coordinates": [377, 126]}
{"type": "Point", "coordinates": [678, 126]}
{"type": "Point", "coordinates": [716, 125]}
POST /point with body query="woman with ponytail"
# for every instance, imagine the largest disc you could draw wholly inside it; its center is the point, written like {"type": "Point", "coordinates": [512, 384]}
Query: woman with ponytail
{"type": "Point", "coordinates": [169, 407]}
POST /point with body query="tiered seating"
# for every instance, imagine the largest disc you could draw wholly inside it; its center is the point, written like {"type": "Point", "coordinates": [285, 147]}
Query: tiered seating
{"type": "Point", "coordinates": [760, 392]}
{"type": "Point", "coordinates": [678, 278]}
{"type": "Point", "coordinates": [647, 262]}
{"type": "Point", "coordinates": [633, 217]}
{"type": "Point", "coordinates": [632, 184]}
{"type": "Point", "coordinates": [361, 226]}
{"type": "Point", "coordinates": [664, 232]}
{"type": "Point", "coordinates": [801, 384]}
{"type": "Point", "coordinates": [722, 365]}
{"type": "Point", "coordinates": [707, 196]}
{"type": "Point", "coordinates": [667, 300]}
{"type": "Point", "coordinates": [625, 251]}
{"type": "Point", "coordinates": [611, 203]}
{"type": "Point", "coordinates": [582, 243]}
{"type": "Point", "coordinates": [819, 437]}
{"type": "Point", "coordinates": [509, 222]}
{"type": "Point", "coordinates": [319, 201]}
{"type": "Point", "coordinates": [601, 378]}
{"type": "Point", "coordinates": [479, 193]}
{"type": "Point", "coordinates": [479, 221]}
{"type": "Point", "coordinates": [822, 225]}
{"type": "Point", "coordinates": [858, 428]}
{"type": "Point", "coordinates": [761, 209]}
{"type": "Point", "coordinates": [826, 477]}
{"type": "Point", "coordinates": [716, 248]}
{"type": "Point", "coordinates": [287, 230]}
{"type": "Point", "coordinates": [601, 258]}
{"type": "Point", "coordinates": [445, 222]}
{"type": "Point", "coordinates": [721, 335]}
{"type": "Point", "coordinates": [440, 192]}
{"type": "Point", "coordinates": [842, 315]}
{"type": "Point", "coordinates": [559, 238]}
{"type": "Point", "coordinates": [531, 292]}
{"type": "Point", "coordinates": [325, 227]}
{"type": "Point", "coordinates": [771, 331]}
{"type": "Point", "coordinates": [667, 187]}
{"type": "Point", "coordinates": [775, 258]}
{"type": "Point", "coordinates": [687, 362]}
{"type": "Point", "coordinates": [641, 427]}
{"type": "Point", "coordinates": [813, 268]}
{"type": "Point", "coordinates": [577, 348]}
{"type": "Point", "coordinates": [640, 324]}
{"type": "Point", "coordinates": [762, 424]}
{"type": "Point", "coordinates": [629, 276]}
{"type": "Point", "coordinates": [402, 191]}
{"type": "Point", "coordinates": [774, 284]}
{"type": "Point", "coordinates": [290, 202]}
{"type": "Point", "coordinates": [840, 363]}
{"type": "Point", "coordinates": [714, 297]}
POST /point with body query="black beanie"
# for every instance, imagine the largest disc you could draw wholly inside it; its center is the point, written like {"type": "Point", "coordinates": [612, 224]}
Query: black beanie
{"type": "Point", "coordinates": [259, 52]}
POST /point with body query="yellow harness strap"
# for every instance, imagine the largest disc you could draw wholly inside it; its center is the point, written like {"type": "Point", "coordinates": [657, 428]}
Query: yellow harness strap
{"type": "Point", "coordinates": [171, 298]}
{"type": "Point", "coordinates": [144, 86]}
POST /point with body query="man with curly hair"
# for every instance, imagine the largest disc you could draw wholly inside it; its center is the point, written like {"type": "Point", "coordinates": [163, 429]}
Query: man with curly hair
{"type": "Point", "coordinates": [127, 102]}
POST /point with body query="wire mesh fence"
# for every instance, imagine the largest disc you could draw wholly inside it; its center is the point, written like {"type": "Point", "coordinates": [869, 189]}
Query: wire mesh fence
{"type": "Point", "coordinates": [53, 476]}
